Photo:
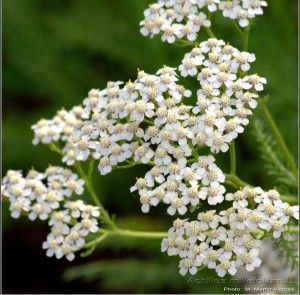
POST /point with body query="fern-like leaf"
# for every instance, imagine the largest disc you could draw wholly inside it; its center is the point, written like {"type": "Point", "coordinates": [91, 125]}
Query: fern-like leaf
{"type": "Point", "coordinates": [274, 164]}
{"type": "Point", "coordinates": [287, 246]}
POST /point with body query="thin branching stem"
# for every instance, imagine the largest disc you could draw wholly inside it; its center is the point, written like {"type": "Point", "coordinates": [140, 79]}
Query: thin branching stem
{"type": "Point", "coordinates": [232, 158]}
{"type": "Point", "coordinates": [209, 32]}
{"type": "Point", "coordinates": [90, 188]}
{"type": "Point", "coordinates": [269, 119]}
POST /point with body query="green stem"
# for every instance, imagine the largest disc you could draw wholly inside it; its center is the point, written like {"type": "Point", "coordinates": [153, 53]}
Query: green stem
{"type": "Point", "coordinates": [148, 122]}
{"type": "Point", "coordinates": [202, 267]}
{"type": "Point", "coordinates": [277, 135]}
{"type": "Point", "coordinates": [91, 168]}
{"type": "Point", "coordinates": [235, 182]}
{"type": "Point", "coordinates": [232, 158]}
{"type": "Point", "coordinates": [269, 118]}
{"type": "Point", "coordinates": [246, 37]}
{"type": "Point", "coordinates": [209, 32]}
{"type": "Point", "coordinates": [208, 29]}
{"type": "Point", "coordinates": [131, 164]}
{"type": "Point", "coordinates": [184, 43]}
{"type": "Point", "coordinates": [55, 148]}
{"type": "Point", "coordinates": [95, 242]}
{"type": "Point", "coordinates": [135, 234]}
{"type": "Point", "coordinates": [125, 233]}
{"type": "Point", "coordinates": [90, 188]}
{"type": "Point", "coordinates": [238, 28]}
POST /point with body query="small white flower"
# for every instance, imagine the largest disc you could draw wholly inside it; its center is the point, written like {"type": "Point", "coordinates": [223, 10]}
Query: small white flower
{"type": "Point", "coordinates": [86, 226]}
{"type": "Point", "coordinates": [178, 227]}
{"type": "Point", "coordinates": [237, 220]}
{"type": "Point", "coordinates": [168, 244]}
{"type": "Point", "coordinates": [66, 249]}
{"type": "Point", "coordinates": [183, 246]}
{"type": "Point", "coordinates": [229, 248]}
{"type": "Point", "coordinates": [74, 185]}
{"type": "Point", "coordinates": [194, 231]}
{"type": "Point", "coordinates": [210, 257]}
{"type": "Point", "coordinates": [249, 259]}
{"type": "Point", "coordinates": [59, 230]}
{"type": "Point", "coordinates": [197, 252]}
{"type": "Point", "coordinates": [52, 244]}
{"type": "Point", "coordinates": [179, 92]}
{"type": "Point", "coordinates": [239, 199]}
{"type": "Point", "coordinates": [242, 60]}
{"type": "Point", "coordinates": [188, 67]}
{"type": "Point", "coordinates": [155, 174]}
{"type": "Point", "coordinates": [82, 148]}
{"type": "Point", "coordinates": [213, 173]}
{"type": "Point", "coordinates": [246, 98]}
{"type": "Point", "coordinates": [161, 156]}
{"type": "Point", "coordinates": [191, 195]}
{"type": "Point", "coordinates": [89, 211]}
{"type": "Point", "coordinates": [69, 156]}
{"type": "Point", "coordinates": [18, 205]}
{"type": "Point", "coordinates": [213, 193]}
{"type": "Point", "coordinates": [254, 7]}
{"type": "Point", "coordinates": [188, 265]}
{"type": "Point", "coordinates": [169, 32]}
{"type": "Point", "coordinates": [105, 166]}
{"type": "Point", "coordinates": [74, 237]}
{"type": "Point", "coordinates": [226, 266]}
{"type": "Point", "coordinates": [59, 217]}
{"type": "Point", "coordinates": [247, 243]}
{"type": "Point", "coordinates": [143, 153]}
{"type": "Point", "coordinates": [255, 220]}
{"type": "Point", "coordinates": [256, 81]}
{"type": "Point", "coordinates": [212, 44]}
{"type": "Point", "coordinates": [290, 211]}
{"type": "Point", "coordinates": [145, 200]}
{"type": "Point", "coordinates": [241, 116]}
{"type": "Point", "coordinates": [215, 236]}
{"type": "Point", "coordinates": [218, 142]}
{"type": "Point", "coordinates": [209, 219]}
{"type": "Point", "coordinates": [278, 228]}
{"type": "Point", "coordinates": [75, 207]}
{"type": "Point", "coordinates": [177, 204]}
{"type": "Point", "coordinates": [40, 210]}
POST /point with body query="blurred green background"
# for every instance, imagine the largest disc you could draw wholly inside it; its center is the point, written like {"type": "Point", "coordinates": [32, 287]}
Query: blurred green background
{"type": "Point", "coordinates": [54, 52]}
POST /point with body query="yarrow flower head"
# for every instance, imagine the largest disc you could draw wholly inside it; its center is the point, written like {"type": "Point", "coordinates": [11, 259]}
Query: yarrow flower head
{"type": "Point", "coordinates": [149, 121]}
{"type": "Point", "coordinates": [44, 196]}
{"type": "Point", "coordinates": [226, 247]}
{"type": "Point", "coordinates": [174, 19]}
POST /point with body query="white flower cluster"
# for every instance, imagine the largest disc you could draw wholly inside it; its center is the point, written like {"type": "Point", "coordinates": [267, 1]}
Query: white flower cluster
{"type": "Point", "coordinates": [178, 19]}
{"type": "Point", "coordinates": [146, 120]}
{"type": "Point", "coordinates": [47, 131]}
{"type": "Point", "coordinates": [65, 239]}
{"type": "Point", "coordinates": [226, 241]}
{"type": "Point", "coordinates": [225, 99]}
{"type": "Point", "coordinates": [180, 186]}
{"type": "Point", "coordinates": [42, 195]}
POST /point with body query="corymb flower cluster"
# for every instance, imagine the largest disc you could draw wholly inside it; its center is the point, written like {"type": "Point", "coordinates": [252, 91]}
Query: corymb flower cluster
{"type": "Point", "coordinates": [147, 121]}
{"type": "Point", "coordinates": [226, 241]}
{"type": "Point", "coordinates": [183, 19]}
{"type": "Point", "coordinates": [46, 196]}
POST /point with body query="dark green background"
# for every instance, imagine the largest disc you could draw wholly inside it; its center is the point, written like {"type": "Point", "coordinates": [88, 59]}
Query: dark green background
{"type": "Point", "coordinates": [54, 52]}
